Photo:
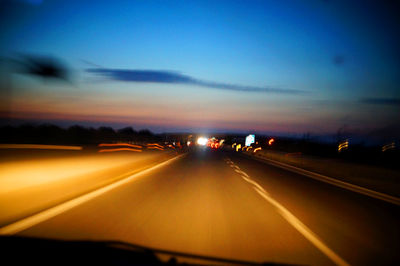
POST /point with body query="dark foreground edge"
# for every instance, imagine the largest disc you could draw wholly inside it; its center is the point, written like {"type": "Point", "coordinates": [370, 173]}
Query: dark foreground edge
{"type": "Point", "coordinates": [18, 250]}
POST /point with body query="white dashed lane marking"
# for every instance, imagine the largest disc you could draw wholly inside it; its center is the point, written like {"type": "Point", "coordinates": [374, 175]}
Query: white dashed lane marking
{"type": "Point", "coordinates": [290, 218]}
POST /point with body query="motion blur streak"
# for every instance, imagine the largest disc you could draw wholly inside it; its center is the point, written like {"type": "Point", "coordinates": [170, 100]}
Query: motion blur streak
{"type": "Point", "coordinates": [304, 230]}
{"type": "Point", "coordinates": [257, 149]}
{"type": "Point", "coordinates": [155, 148]}
{"type": "Point", "coordinates": [39, 146]}
{"type": "Point", "coordinates": [155, 144]}
{"type": "Point", "coordinates": [390, 146]}
{"type": "Point", "coordinates": [271, 141]}
{"type": "Point", "coordinates": [49, 213]}
{"type": "Point", "coordinates": [120, 149]}
{"type": "Point", "coordinates": [344, 145]}
{"type": "Point", "coordinates": [119, 144]}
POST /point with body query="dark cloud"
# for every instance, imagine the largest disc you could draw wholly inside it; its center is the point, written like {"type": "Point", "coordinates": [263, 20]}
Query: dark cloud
{"type": "Point", "coordinates": [161, 76]}
{"type": "Point", "coordinates": [383, 101]}
{"type": "Point", "coordinates": [45, 67]}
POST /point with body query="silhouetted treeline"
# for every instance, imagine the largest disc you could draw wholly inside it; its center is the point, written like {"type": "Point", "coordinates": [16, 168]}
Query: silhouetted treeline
{"type": "Point", "coordinates": [52, 134]}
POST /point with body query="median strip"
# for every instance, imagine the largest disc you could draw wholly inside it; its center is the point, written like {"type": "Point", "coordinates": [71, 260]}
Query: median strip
{"type": "Point", "coordinates": [332, 181]}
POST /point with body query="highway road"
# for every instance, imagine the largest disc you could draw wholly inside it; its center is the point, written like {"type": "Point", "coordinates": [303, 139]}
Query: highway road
{"type": "Point", "coordinates": [218, 203]}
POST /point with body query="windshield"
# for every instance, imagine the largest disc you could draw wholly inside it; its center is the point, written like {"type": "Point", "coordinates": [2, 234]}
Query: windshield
{"type": "Point", "coordinates": [241, 131]}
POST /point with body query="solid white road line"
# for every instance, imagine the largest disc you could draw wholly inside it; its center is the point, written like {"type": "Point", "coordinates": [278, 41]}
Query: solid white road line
{"type": "Point", "coordinates": [304, 230]}
{"type": "Point", "coordinates": [63, 207]}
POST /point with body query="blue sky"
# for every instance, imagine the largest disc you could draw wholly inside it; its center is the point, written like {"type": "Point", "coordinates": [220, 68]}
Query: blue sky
{"type": "Point", "coordinates": [299, 66]}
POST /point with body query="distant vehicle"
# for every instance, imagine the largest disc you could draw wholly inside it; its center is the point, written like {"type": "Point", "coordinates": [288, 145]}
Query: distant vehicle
{"type": "Point", "coordinates": [213, 143]}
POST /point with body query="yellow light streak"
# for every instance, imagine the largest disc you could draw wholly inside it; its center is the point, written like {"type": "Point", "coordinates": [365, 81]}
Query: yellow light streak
{"type": "Point", "coordinates": [155, 144]}
{"type": "Point", "coordinates": [119, 144]}
{"type": "Point", "coordinates": [155, 148]}
{"type": "Point", "coordinates": [343, 145]}
{"type": "Point", "coordinates": [238, 147]}
{"type": "Point", "coordinates": [120, 149]}
{"type": "Point", "coordinates": [257, 149]}
{"type": "Point", "coordinates": [39, 146]}
{"type": "Point", "coordinates": [390, 146]}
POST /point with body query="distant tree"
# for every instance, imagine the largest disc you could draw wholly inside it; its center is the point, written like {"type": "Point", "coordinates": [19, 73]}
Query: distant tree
{"type": "Point", "coordinates": [342, 133]}
{"type": "Point", "coordinates": [106, 134]}
{"type": "Point", "coordinates": [79, 135]}
{"type": "Point", "coordinates": [126, 134]}
{"type": "Point", "coordinates": [48, 133]}
{"type": "Point", "coordinates": [127, 131]}
{"type": "Point", "coordinates": [145, 132]}
{"type": "Point", "coordinates": [108, 130]}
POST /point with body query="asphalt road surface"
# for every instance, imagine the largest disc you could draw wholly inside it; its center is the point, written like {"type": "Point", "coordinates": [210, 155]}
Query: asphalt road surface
{"type": "Point", "coordinates": [221, 204]}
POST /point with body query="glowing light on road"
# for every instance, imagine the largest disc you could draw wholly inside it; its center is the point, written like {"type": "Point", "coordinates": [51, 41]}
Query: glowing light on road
{"type": "Point", "coordinates": [271, 141]}
{"type": "Point", "coordinates": [257, 149]}
{"type": "Point", "coordinates": [238, 147]}
{"type": "Point", "coordinates": [202, 141]}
